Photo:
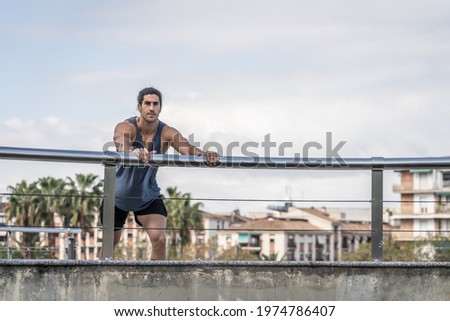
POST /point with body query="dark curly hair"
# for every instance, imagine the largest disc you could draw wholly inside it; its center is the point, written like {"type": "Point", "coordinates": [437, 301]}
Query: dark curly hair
{"type": "Point", "coordinates": [149, 91]}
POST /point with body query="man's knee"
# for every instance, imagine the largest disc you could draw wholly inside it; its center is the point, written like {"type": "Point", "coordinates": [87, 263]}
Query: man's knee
{"type": "Point", "coordinates": [158, 239]}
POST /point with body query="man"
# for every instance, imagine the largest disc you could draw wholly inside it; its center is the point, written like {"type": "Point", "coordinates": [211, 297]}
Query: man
{"type": "Point", "coordinates": [136, 186]}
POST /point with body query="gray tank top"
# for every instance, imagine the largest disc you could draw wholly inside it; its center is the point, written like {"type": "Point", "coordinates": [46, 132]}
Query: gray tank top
{"type": "Point", "coordinates": [136, 186]}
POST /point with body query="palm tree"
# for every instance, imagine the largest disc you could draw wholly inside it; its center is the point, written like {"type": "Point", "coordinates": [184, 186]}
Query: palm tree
{"type": "Point", "coordinates": [182, 217]}
{"type": "Point", "coordinates": [174, 207]}
{"type": "Point", "coordinates": [85, 192]}
{"type": "Point", "coordinates": [23, 209]}
{"type": "Point", "coordinates": [52, 190]}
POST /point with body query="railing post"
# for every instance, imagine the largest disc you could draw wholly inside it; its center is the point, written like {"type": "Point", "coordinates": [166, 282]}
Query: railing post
{"type": "Point", "coordinates": [377, 214]}
{"type": "Point", "coordinates": [108, 211]}
{"type": "Point", "coordinates": [8, 235]}
{"type": "Point", "coordinates": [71, 247]}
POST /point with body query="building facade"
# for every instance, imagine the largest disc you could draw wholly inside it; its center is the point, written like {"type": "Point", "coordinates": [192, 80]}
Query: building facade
{"type": "Point", "coordinates": [425, 205]}
{"type": "Point", "coordinates": [297, 234]}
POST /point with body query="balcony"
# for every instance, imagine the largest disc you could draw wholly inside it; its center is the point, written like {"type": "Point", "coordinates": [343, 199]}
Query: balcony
{"type": "Point", "coordinates": [249, 242]}
{"type": "Point", "coordinates": [398, 188]}
{"type": "Point", "coordinates": [443, 209]}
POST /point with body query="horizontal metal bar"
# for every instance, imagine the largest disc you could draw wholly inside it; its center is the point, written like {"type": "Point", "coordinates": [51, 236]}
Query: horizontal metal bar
{"type": "Point", "coordinates": [74, 230]}
{"type": "Point", "coordinates": [112, 157]}
{"type": "Point", "coordinates": [55, 155]}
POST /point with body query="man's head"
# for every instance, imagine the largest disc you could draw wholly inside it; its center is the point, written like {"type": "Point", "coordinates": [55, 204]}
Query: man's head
{"type": "Point", "coordinates": [149, 91]}
{"type": "Point", "coordinates": [149, 104]}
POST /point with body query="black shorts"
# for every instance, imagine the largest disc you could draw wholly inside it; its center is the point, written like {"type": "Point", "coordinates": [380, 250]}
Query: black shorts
{"type": "Point", "coordinates": [120, 216]}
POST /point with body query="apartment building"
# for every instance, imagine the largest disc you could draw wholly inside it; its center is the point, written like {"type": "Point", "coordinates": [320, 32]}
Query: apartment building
{"type": "Point", "coordinates": [425, 204]}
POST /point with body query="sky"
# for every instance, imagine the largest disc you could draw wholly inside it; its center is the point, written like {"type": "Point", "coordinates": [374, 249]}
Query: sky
{"type": "Point", "coordinates": [374, 74]}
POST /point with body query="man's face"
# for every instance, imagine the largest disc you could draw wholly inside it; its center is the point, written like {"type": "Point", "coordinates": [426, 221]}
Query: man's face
{"type": "Point", "coordinates": [150, 108]}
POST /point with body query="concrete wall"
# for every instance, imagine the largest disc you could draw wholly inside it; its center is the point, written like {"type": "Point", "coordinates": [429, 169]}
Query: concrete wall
{"type": "Point", "coordinates": [212, 280]}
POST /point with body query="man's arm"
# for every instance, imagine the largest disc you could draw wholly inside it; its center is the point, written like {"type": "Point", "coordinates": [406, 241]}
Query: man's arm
{"type": "Point", "coordinates": [124, 135]}
{"type": "Point", "coordinates": [182, 145]}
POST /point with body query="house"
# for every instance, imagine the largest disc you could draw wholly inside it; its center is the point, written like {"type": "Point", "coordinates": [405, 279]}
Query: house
{"type": "Point", "coordinates": [298, 234]}
{"type": "Point", "coordinates": [212, 223]}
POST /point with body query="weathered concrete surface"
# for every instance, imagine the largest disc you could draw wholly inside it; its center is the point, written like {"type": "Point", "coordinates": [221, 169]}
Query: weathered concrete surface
{"type": "Point", "coordinates": [214, 280]}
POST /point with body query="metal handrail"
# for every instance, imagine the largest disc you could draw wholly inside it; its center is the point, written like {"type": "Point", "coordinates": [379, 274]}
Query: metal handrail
{"type": "Point", "coordinates": [113, 157]}
{"type": "Point", "coordinates": [110, 159]}
{"type": "Point", "coordinates": [37, 229]}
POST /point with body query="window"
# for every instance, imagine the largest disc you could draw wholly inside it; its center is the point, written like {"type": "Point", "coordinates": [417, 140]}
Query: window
{"type": "Point", "coordinates": [291, 241]}
{"type": "Point", "coordinates": [272, 244]}
{"type": "Point", "coordinates": [446, 179]}
{"type": "Point", "coordinates": [243, 238]}
{"type": "Point", "coordinates": [445, 228]}
{"type": "Point", "coordinates": [254, 240]}
{"type": "Point", "coordinates": [251, 240]}
{"type": "Point", "coordinates": [424, 228]}
{"type": "Point", "coordinates": [423, 205]}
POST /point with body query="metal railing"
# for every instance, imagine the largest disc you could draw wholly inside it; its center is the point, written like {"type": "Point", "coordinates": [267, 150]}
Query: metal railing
{"type": "Point", "coordinates": [110, 159]}
{"type": "Point", "coordinates": [70, 231]}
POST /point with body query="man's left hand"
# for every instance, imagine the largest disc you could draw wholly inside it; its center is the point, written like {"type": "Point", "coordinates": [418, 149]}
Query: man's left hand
{"type": "Point", "coordinates": [212, 158]}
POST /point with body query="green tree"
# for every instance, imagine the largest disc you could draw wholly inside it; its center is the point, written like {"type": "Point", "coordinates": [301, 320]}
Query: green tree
{"type": "Point", "coordinates": [51, 190]}
{"type": "Point", "coordinates": [183, 217]}
{"type": "Point", "coordinates": [441, 246]}
{"type": "Point", "coordinates": [83, 201]}
{"type": "Point", "coordinates": [235, 253]}
{"type": "Point", "coordinates": [272, 257]}
{"type": "Point", "coordinates": [23, 209]}
{"type": "Point", "coordinates": [392, 251]}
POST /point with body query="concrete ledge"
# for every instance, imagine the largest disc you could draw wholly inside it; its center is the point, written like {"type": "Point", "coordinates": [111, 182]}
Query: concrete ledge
{"type": "Point", "coordinates": [222, 280]}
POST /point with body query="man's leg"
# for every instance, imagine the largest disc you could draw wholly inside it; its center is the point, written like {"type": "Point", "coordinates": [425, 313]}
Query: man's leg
{"type": "Point", "coordinates": [120, 217]}
{"type": "Point", "coordinates": [117, 237]}
{"type": "Point", "coordinates": [155, 226]}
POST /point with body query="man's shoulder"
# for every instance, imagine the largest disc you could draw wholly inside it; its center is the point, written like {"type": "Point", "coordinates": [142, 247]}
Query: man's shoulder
{"type": "Point", "coordinates": [125, 125]}
{"type": "Point", "coordinates": [168, 130]}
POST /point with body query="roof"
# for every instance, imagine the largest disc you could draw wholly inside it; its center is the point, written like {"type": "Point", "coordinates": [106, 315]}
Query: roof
{"type": "Point", "coordinates": [230, 217]}
{"type": "Point", "coordinates": [356, 228]}
{"type": "Point", "coordinates": [318, 213]}
{"type": "Point", "coordinates": [274, 224]}
{"type": "Point", "coordinates": [360, 228]}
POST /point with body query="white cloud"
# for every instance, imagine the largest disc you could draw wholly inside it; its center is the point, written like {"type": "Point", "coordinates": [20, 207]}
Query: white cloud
{"type": "Point", "coordinates": [16, 123]}
{"type": "Point", "coordinates": [104, 76]}
{"type": "Point", "coordinates": [52, 132]}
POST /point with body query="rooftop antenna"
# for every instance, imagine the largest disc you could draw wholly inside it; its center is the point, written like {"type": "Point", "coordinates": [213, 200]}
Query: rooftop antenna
{"type": "Point", "coordinates": [287, 202]}
{"type": "Point", "coordinates": [288, 197]}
